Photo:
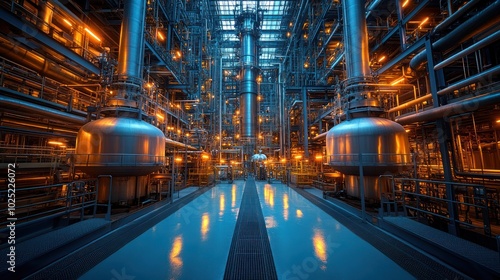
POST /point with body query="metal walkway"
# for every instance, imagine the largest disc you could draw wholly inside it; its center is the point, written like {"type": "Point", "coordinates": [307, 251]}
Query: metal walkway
{"type": "Point", "coordinates": [250, 255]}
{"type": "Point", "coordinates": [414, 261]}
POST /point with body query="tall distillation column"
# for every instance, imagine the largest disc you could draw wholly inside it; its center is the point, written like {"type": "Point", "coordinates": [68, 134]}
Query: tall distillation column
{"type": "Point", "coordinates": [247, 24]}
{"type": "Point", "coordinates": [364, 146]}
{"type": "Point", "coordinates": [121, 144]}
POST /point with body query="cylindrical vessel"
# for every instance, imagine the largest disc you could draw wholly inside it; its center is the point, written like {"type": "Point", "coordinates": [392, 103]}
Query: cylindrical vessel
{"type": "Point", "coordinates": [374, 186]}
{"type": "Point", "coordinates": [379, 145]}
{"type": "Point", "coordinates": [124, 190]}
{"type": "Point", "coordinates": [119, 147]}
{"type": "Point", "coordinates": [247, 24]}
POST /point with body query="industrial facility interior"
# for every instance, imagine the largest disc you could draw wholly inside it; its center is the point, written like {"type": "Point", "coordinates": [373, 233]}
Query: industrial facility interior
{"type": "Point", "coordinates": [216, 139]}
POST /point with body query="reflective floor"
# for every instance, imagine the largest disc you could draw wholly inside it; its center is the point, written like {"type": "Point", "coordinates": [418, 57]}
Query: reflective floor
{"type": "Point", "coordinates": [194, 242]}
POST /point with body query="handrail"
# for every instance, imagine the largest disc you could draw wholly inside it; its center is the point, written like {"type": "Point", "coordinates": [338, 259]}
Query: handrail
{"type": "Point", "coordinates": [419, 194]}
{"type": "Point", "coordinates": [117, 159]}
{"type": "Point", "coordinates": [62, 199]}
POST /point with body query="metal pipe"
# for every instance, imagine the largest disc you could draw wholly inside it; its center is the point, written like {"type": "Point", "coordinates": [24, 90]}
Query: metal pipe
{"type": "Point", "coordinates": [470, 80]}
{"type": "Point", "coordinates": [16, 104]}
{"type": "Point", "coordinates": [247, 24]}
{"type": "Point", "coordinates": [410, 103]}
{"type": "Point", "coordinates": [357, 56]}
{"type": "Point", "coordinates": [478, 45]}
{"type": "Point", "coordinates": [131, 48]}
{"type": "Point", "coordinates": [460, 107]}
{"type": "Point", "coordinates": [455, 16]}
{"type": "Point", "coordinates": [473, 26]}
{"type": "Point", "coordinates": [43, 66]}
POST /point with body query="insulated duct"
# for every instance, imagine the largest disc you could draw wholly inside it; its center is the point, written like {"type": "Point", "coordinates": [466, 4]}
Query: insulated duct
{"type": "Point", "coordinates": [247, 24]}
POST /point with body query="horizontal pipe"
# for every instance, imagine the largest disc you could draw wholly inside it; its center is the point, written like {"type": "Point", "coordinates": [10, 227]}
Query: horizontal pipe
{"type": "Point", "coordinates": [410, 103]}
{"type": "Point", "coordinates": [481, 44]}
{"type": "Point", "coordinates": [470, 80]}
{"type": "Point", "coordinates": [46, 127]}
{"type": "Point", "coordinates": [16, 104]}
{"type": "Point", "coordinates": [170, 142]}
{"type": "Point", "coordinates": [455, 16]}
{"type": "Point", "coordinates": [320, 136]}
{"type": "Point", "coordinates": [457, 108]}
{"type": "Point", "coordinates": [473, 26]}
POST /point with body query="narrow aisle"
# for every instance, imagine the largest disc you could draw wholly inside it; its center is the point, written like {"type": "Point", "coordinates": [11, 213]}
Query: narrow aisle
{"type": "Point", "coordinates": [192, 243]}
{"type": "Point", "coordinates": [250, 255]}
{"type": "Point", "coordinates": [307, 243]}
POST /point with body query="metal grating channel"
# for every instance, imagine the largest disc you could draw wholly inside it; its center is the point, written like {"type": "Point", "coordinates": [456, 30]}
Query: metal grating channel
{"type": "Point", "coordinates": [250, 255]}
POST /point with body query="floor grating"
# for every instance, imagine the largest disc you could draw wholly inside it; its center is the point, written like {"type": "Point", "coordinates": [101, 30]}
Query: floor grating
{"type": "Point", "coordinates": [250, 255]}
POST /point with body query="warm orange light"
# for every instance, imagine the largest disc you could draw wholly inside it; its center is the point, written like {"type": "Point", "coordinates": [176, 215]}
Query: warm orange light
{"type": "Point", "coordinates": [405, 3]}
{"type": "Point", "coordinates": [381, 59]}
{"type": "Point", "coordinates": [160, 36]}
{"type": "Point", "coordinates": [55, 143]}
{"type": "Point", "coordinates": [298, 156]}
{"type": "Point", "coordinates": [178, 53]}
{"type": "Point", "coordinates": [160, 116]}
{"type": "Point", "coordinates": [92, 34]}
{"type": "Point", "coordinates": [205, 157]}
{"type": "Point", "coordinates": [67, 22]}
{"type": "Point", "coordinates": [498, 121]}
{"type": "Point", "coordinates": [423, 22]}
{"type": "Point", "coordinates": [318, 157]}
{"type": "Point", "coordinates": [178, 159]}
{"type": "Point", "coordinates": [397, 81]}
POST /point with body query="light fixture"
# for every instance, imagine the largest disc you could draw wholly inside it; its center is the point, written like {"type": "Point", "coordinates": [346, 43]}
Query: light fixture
{"type": "Point", "coordinates": [382, 58]}
{"type": "Point", "coordinates": [57, 143]}
{"type": "Point", "coordinates": [160, 36]}
{"type": "Point", "coordinates": [405, 3]}
{"type": "Point", "coordinates": [397, 81]}
{"type": "Point", "coordinates": [67, 22]}
{"type": "Point", "coordinates": [423, 22]}
{"type": "Point", "coordinates": [92, 34]}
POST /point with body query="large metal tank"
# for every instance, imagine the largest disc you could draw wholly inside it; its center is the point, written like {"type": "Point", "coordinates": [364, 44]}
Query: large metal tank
{"type": "Point", "coordinates": [379, 144]}
{"type": "Point", "coordinates": [119, 147]}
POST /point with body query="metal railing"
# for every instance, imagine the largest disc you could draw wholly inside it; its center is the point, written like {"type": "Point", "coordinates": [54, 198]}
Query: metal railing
{"type": "Point", "coordinates": [370, 159]}
{"type": "Point", "coordinates": [58, 199]}
{"type": "Point", "coordinates": [427, 200]}
{"type": "Point", "coordinates": [117, 160]}
{"type": "Point", "coordinates": [29, 154]}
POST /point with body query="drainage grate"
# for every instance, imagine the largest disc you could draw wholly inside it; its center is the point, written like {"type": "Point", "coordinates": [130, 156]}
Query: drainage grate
{"type": "Point", "coordinates": [250, 255]}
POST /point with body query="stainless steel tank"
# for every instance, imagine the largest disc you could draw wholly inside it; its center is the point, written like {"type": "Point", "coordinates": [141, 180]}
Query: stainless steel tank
{"type": "Point", "coordinates": [374, 186]}
{"type": "Point", "coordinates": [379, 144]}
{"type": "Point", "coordinates": [119, 147]}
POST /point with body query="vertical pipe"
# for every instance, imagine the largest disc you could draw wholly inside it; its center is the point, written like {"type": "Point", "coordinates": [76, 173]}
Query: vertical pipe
{"type": "Point", "coordinates": [306, 124]}
{"type": "Point", "coordinates": [356, 40]}
{"type": "Point", "coordinates": [220, 110]}
{"type": "Point", "coordinates": [131, 50]}
{"type": "Point", "coordinates": [248, 23]}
